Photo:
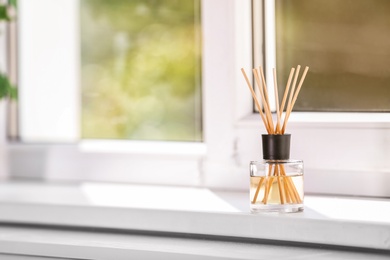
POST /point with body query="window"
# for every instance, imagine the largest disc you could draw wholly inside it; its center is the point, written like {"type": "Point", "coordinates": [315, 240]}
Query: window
{"type": "Point", "coordinates": [49, 67]}
{"type": "Point", "coordinates": [347, 46]}
{"type": "Point", "coordinates": [336, 147]}
{"type": "Point", "coordinates": [135, 66]}
{"type": "Point", "coordinates": [140, 70]}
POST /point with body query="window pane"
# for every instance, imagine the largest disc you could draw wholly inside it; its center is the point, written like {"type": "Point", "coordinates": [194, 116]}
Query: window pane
{"type": "Point", "coordinates": [140, 69]}
{"type": "Point", "coordinates": [346, 43]}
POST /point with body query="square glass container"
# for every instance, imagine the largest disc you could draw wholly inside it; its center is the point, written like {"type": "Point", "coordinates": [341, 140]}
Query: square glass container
{"type": "Point", "coordinates": [276, 186]}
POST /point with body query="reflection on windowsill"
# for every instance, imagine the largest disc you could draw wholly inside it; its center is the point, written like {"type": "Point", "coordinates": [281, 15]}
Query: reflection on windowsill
{"type": "Point", "coordinates": [158, 198]}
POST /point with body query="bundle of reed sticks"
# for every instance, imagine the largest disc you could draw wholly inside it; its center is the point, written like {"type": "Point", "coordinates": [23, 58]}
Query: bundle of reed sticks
{"type": "Point", "coordinates": [291, 92]}
{"type": "Point", "coordinates": [287, 190]}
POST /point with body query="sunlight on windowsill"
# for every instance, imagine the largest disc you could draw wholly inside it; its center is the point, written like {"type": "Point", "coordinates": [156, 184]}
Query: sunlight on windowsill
{"type": "Point", "coordinates": [156, 198]}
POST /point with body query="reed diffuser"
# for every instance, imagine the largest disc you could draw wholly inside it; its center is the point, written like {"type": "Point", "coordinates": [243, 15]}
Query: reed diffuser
{"type": "Point", "coordinates": [276, 183]}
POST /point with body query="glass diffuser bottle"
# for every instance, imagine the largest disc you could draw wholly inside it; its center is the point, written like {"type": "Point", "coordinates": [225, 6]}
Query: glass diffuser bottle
{"type": "Point", "coordinates": [276, 183]}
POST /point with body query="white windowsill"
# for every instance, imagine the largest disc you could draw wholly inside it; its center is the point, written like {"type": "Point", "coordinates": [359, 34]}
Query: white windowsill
{"type": "Point", "coordinates": [340, 221]}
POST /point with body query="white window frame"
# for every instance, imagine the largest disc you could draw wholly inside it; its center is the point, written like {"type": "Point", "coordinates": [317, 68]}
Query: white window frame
{"type": "Point", "coordinates": [330, 144]}
{"type": "Point", "coordinates": [185, 163]}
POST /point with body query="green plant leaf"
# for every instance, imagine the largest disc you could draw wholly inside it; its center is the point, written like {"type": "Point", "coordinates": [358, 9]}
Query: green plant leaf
{"type": "Point", "coordinates": [4, 85]}
{"type": "Point", "coordinates": [7, 89]}
{"type": "Point", "coordinates": [14, 3]}
{"type": "Point", "coordinates": [4, 13]}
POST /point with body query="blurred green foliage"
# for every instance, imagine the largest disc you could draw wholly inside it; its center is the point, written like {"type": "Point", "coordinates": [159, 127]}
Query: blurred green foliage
{"type": "Point", "coordinates": [140, 69]}
{"type": "Point", "coordinates": [13, 3]}
{"type": "Point", "coordinates": [7, 89]}
{"type": "Point", "coordinates": [4, 13]}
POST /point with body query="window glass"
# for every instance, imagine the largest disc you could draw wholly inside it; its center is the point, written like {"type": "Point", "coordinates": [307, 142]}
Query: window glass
{"type": "Point", "coordinates": [346, 44]}
{"type": "Point", "coordinates": [140, 70]}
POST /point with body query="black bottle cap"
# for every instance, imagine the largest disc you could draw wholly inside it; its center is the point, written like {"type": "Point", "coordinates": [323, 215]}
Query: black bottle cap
{"type": "Point", "coordinates": [276, 147]}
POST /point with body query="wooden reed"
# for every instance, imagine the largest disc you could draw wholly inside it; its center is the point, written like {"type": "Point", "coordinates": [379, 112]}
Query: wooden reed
{"type": "Point", "coordinates": [264, 99]}
{"type": "Point", "coordinates": [258, 105]}
{"type": "Point", "coordinates": [277, 130]}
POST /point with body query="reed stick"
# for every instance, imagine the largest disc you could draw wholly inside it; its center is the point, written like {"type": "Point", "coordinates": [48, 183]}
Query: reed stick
{"type": "Point", "coordinates": [260, 69]}
{"type": "Point", "coordinates": [286, 91]}
{"type": "Point", "coordinates": [258, 105]}
{"type": "Point", "coordinates": [268, 184]}
{"type": "Point", "coordinates": [288, 198]}
{"type": "Point", "coordinates": [291, 187]}
{"type": "Point", "coordinates": [281, 190]}
{"type": "Point", "coordinates": [295, 98]}
{"type": "Point", "coordinates": [290, 97]}
{"type": "Point", "coordinates": [268, 189]}
{"type": "Point", "coordinates": [265, 103]}
{"type": "Point", "coordinates": [258, 190]}
{"type": "Point", "coordinates": [277, 130]}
